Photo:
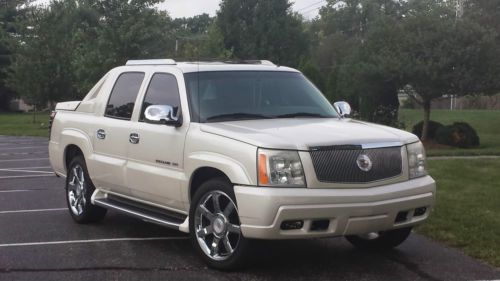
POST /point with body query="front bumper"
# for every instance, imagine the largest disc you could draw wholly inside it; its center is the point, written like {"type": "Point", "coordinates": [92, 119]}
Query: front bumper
{"type": "Point", "coordinates": [348, 211]}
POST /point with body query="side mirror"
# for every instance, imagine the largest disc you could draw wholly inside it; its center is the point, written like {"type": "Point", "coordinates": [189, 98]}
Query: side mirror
{"type": "Point", "coordinates": [164, 114]}
{"type": "Point", "coordinates": [343, 108]}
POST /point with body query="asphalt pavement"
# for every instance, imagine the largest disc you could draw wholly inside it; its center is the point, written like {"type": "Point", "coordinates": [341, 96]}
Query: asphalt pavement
{"type": "Point", "coordinates": [39, 241]}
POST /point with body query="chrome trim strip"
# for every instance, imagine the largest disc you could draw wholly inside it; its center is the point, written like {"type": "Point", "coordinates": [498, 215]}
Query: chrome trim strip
{"type": "Point", "coordinates": [381, 144]}
{"type": "Point", "coordinates": [108, 192]}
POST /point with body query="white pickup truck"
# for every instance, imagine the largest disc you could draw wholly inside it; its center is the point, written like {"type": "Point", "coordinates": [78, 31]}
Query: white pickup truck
{"type": "Point", "coordinates": [231, 152]}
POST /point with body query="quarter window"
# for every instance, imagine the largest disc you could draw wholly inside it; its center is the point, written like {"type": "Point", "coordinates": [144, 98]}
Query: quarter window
{"type": "Point", "coordinates": [123, 96]}
{"type": "Point", "coordinates": [162, 90]}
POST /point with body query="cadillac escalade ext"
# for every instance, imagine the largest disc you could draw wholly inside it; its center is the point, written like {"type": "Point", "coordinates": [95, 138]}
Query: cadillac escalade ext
{"type": "Point", "coordinates": [233, 152]}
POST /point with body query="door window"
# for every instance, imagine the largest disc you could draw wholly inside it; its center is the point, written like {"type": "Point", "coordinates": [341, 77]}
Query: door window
{"type": "Point", "coordinates": [121, 102]}
{"type": "Point", "coordinates": [162, 90]}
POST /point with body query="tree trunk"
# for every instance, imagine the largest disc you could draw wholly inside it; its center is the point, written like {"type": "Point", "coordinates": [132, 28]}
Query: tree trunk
{"type": "Point", "coordinates": [34, 114]}
{"type": "Point", "coordinates": [427, 117]}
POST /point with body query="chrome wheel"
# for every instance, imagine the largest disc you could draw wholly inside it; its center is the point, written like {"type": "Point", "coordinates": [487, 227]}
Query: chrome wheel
{"type": "Point", "coordinates": [217, 226]}
{"type": "Point", "coordinates": [77, 190]}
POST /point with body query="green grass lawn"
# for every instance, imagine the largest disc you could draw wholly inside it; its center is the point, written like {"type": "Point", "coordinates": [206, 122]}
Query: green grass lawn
{"type": "Point", "coordinates": [467, 214]}
{"type": "Point", "coordinates": [485, 122]}
{"type": "Point", "coordinates": [21, 124]}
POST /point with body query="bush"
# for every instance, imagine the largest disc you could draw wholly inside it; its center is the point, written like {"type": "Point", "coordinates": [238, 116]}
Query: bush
{"type": "Point", "coordinates": [431, 130]}
{"type": "Point", "coordinates": [372, 110]}
{"type": "Point", "coordinates": [458, 134]}
{"type": "Point", "coordinates": [409, 104]}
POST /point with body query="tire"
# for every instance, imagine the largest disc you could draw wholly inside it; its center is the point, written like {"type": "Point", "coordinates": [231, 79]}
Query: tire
{"type": "Point", "coordinates": [209, 223]}
{"type": "Point", "coordinates": [384, 240]}
{"type": "Point", "coordinates": [79, 190]}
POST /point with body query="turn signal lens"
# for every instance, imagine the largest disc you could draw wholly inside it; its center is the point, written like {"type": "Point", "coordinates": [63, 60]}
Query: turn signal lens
{"type": "Point", "coordinates": [263, 177]}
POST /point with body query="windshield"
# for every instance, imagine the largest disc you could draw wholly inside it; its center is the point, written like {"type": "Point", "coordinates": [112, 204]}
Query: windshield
{"type": "Point", "coordinates": [245, 95]}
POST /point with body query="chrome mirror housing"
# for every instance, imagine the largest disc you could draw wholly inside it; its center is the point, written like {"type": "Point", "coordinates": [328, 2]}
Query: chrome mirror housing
{"type": "Point", "coordinates": [343, 108]}
{"type": "Point", "coordinates": [162, 114]}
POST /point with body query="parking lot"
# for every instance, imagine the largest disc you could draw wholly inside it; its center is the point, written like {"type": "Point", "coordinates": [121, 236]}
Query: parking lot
{"type": "Point", "coordinates": [39, 241]}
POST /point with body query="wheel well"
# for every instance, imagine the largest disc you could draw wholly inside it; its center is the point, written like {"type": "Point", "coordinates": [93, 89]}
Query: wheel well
{"type": "Point", "coordinates": [70, 152]}
{"type": "Point", "coordinates": [201, 175]}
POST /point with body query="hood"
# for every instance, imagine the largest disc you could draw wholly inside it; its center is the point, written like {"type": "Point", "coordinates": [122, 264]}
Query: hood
{"type": "Point", "coordinates": [303, 133]}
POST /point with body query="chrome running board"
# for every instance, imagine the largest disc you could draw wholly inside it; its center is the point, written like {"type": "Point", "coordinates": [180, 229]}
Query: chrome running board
{"type": "Point", "coordinates": [142, 211]}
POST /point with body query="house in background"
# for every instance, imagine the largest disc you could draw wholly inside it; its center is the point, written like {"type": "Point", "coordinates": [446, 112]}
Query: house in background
{"type": "Point", "coordinates": [20, 105]}
{"type": "Point", "coordinates": [458, 103]}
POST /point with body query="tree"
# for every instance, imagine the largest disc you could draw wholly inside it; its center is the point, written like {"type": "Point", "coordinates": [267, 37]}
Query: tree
{"type": "Point", "coordinates": [446, 56]}
{"type": "Point", "coordinates": [62, 50]}
{"type": "Point", "coordinates": [9, 10]}
{"type": "Point", "coordinates": [261, 29]}
{"type": "Point", "coordinates": [356, 46]}
{"type": "Point", "coordinates": [484, 12]}
{"type": "Point", "coordinates": [371, 49]}
{"type": "Point", "coordinates": [194, 25]}
{"type": "Point", "coordinates": [198, 38]}
{"type": "Point", "coordinates": [116, 31]}
{"type": "Point", "coordinates": [5, 93]}
{"type": "Point", "coordinates": [311, 71]}
{"type": "Point", "coordinates": [41, 71]}
{"type": "Point", "coordinates": [379, 71]}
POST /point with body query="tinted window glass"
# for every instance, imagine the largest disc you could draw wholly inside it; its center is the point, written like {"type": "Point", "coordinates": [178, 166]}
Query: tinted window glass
{"type": "Point", "coordinates": [162, 90]}
{"type": "Point", "coordinates": [122, 100]}
{"type": "Point", "coordinates": [237, 95]}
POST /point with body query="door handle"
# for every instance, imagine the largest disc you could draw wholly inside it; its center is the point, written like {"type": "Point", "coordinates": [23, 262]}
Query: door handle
{"type": "Point", "coordinates": [101, 134]}
{"type": "Point", "coordinates": [134, 138]}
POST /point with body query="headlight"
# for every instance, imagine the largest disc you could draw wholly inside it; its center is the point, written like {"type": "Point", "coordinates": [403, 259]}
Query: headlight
{"type": "Point", "coordinates": [416, 160]}
{"type": "Point", "coordinates": [280, 168]}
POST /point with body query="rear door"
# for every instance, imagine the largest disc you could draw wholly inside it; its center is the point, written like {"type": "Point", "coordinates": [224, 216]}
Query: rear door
{"type": "Point", "coordinates": [111, 134]}
{"type": "Point", "coordinates": [155, 165]}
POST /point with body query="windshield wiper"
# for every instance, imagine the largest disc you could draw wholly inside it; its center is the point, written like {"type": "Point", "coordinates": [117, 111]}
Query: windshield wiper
{"type": "Point", "coordinates": [238, 116]}
{"type": "Point", "coordinates": [301, 114]}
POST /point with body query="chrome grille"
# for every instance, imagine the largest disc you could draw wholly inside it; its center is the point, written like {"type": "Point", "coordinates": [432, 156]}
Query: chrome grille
{"type": "Point", "coordinates": [339, 163]}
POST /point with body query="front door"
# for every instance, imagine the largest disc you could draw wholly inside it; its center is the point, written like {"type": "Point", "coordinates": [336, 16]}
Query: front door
{"type": "Point", "coordinates": [155, 164]}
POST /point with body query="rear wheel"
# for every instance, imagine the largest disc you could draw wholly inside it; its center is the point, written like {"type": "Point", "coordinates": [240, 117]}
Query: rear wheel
{"type": "Point", "coordinates": [79, 189]}
{"type": "Point", "coordinates": [382, 240]}
{"type": "Point", "coordinates": [215, 226]}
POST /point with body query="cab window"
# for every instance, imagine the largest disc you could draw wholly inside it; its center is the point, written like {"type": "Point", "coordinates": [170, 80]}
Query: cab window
{"type": "Point", "coordinates": [122, 99]}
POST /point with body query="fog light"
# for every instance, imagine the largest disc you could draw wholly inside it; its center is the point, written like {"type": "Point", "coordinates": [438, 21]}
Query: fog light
{"type": "Point", "coordinates": [401, 217]}
{"type": "Point", "coordinates": [290, 225]}
{"type": "Point", "coordinates": [320, 225]}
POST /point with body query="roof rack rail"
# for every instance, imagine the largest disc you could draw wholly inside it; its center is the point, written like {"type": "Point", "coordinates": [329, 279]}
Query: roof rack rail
{"type": "Point", "coordinates": [152, 62]}
{"type": "Point", "coordinates": [262, 62]}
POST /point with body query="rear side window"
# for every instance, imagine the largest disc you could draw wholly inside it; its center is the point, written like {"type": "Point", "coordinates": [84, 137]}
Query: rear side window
{"type": "Point", "coordinates": [123, 96]}
{"type": "Point", "coordinates": [162, 90]}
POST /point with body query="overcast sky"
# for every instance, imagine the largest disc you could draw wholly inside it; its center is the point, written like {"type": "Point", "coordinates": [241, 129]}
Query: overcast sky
{"type": "Point", "coordinates": [189, 8]}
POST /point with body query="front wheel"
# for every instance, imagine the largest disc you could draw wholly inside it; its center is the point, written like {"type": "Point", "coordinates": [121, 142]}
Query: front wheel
{"type": "Point", "coordinates": [215, 226]}
{"type": "Point", "coordinates": [79, 189]}
{"type": "Point", "coordinates": [383, 240]}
